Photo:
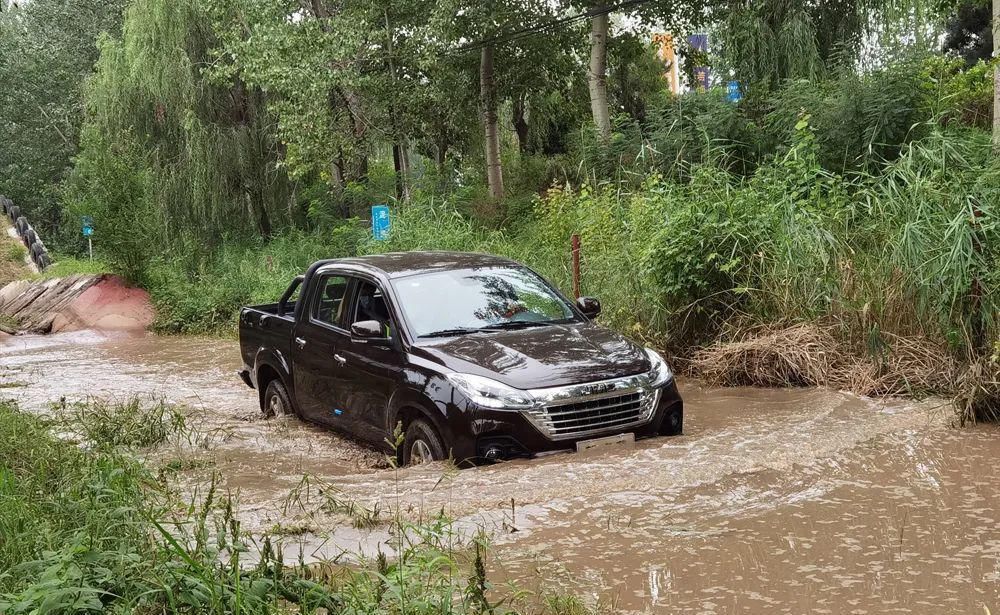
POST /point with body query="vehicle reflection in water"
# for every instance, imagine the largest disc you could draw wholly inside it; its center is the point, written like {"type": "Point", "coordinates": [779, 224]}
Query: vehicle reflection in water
{"type": "Point", "coordinates": [783, 501]}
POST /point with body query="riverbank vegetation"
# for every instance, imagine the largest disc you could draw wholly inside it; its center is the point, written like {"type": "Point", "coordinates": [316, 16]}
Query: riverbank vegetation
{"type": "Point", "coordinates": [88, 529]}
{"type": "Point", "coordinates": [849, 192]}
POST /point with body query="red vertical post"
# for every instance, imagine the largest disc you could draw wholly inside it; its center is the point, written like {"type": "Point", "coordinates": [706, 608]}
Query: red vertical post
{"type": "Point", "coordinates": [576, 265]}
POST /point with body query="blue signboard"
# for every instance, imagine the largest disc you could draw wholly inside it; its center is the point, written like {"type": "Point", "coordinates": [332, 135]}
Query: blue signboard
{"type": "Point", "coordinates": [380, 221]}
{"type": "Point", "coordinates": [733, 92]}
{"type": "Point", "coordinates": [87, 226]}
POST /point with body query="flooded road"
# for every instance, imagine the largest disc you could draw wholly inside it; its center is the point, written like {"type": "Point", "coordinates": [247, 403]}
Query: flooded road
{"type": "Point", "coordinates": [783, 501]}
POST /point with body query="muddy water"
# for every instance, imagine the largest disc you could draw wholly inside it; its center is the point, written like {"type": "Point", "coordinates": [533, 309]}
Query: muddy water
{"type": "Point", "coordinates": [773, 501]}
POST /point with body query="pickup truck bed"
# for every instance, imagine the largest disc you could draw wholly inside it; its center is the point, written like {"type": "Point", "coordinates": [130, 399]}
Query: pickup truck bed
{"type": "Point", "coordinates": [261, 327]}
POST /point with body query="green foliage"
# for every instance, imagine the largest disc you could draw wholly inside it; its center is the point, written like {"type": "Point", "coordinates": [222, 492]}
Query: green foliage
{"type": "Point", "coordinates": [65, 265]}
{"type": "Point", "coordinates": [111, 184]}
{"type": "Point", "coordinates": [959, 94]}
{"type": "Point", "coordinates": [91, 531]}
{"type": "Point", "coordinates": [167, 155]}
{"type": "Point", "coordinates": [47, 48]}
{"type": "Point", "coordinates": [13, 252]}
{"type": "Point", "coordinates": [132, 422]}
{"type": "Point", "coordinates": [204, 295]}
{"type": "Point", "coordinates": [900, 251]}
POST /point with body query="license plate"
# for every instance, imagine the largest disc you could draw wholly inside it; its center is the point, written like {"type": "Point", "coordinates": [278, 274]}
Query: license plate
{"type": "Point", "coordinates": [626, 440]}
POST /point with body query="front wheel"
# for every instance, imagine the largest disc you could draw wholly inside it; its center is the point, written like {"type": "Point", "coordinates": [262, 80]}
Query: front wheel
{"type": "Point", "coordinates": [276, 401]}
{"type": "Point", "coordinates": [422, 444]}
{"type": "Point", "coordinates": [673, 422]}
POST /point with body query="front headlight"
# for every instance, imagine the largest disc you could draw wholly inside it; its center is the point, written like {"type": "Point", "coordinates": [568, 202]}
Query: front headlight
{"type": "Point", "coordinates": [660, 373]}
{"type": "Point", "coordinates": [490, 393]}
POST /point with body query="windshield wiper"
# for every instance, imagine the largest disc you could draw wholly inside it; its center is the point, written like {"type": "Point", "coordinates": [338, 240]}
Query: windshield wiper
{"type": "Point", "coordinates": [516, 324]}
{"type": "Point", "coordinates": [450, 332]}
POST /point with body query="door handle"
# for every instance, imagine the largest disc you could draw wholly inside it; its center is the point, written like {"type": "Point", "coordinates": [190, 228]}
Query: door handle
{"type": "Point", "coordinates": [300, 342]}
{"type": "Point", "coordinates": [340, 360]}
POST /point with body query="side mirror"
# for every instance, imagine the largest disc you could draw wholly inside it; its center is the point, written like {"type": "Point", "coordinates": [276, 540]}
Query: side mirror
{"type": "Point", "coordinates": [369, 331]}
{"type": "Point", "coordinates": [590, 307]}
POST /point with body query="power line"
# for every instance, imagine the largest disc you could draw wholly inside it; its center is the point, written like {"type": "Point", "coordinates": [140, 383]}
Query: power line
{"type": "Point", "coordinates": [510, 37]}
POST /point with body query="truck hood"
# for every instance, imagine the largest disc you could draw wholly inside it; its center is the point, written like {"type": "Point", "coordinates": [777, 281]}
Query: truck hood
{"type": "Point", "coordinates": [540, 356]}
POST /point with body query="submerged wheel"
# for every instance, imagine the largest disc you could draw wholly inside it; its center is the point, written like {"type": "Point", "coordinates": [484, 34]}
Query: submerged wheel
{"type": "Point", "coordinates": [673, 423]}
{"type": "Point", "coordinates": [276, 401]}
{"type": "Point", "coordinates": [422, 444]}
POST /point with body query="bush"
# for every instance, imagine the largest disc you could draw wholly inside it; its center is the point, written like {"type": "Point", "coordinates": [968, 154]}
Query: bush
{"type": "Point", "coordinates": [203, 294]}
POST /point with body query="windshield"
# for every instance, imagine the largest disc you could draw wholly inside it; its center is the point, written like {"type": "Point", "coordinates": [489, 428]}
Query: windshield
{"type": "Point", "coordinates": [473, 299]}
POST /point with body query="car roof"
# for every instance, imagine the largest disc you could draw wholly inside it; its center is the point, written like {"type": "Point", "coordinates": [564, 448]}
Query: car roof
{"type": "Point", "coordinates": [400, 264]}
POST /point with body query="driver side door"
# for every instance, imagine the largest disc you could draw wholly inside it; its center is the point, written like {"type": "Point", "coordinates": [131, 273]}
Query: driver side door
{"type": "Point", "coordinates": [374, 368]}
{"type": "Point", "coordinates": [318, 343]}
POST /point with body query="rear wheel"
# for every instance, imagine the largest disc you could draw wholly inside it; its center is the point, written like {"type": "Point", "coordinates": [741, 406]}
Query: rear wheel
{"type": "Point", "coordinates": [422, 444]}
{"type": "Point", "coordinates": [276, 401]}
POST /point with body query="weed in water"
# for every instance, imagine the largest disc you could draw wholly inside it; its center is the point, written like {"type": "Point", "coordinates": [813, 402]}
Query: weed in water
{"type": "Point", "coordinates": [133, 422]}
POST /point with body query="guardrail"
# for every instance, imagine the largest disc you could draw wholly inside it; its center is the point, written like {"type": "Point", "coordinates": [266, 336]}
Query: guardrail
{"type": "Point", "coordinates": [27, 234]}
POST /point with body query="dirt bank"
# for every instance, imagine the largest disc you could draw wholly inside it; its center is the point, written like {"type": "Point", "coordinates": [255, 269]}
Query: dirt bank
{"type": "Point", "coordinates": [73, 303]}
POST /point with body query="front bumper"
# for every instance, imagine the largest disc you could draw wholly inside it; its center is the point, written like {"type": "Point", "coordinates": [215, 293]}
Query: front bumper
{"type": "Point", "coordinates": [492, 435]}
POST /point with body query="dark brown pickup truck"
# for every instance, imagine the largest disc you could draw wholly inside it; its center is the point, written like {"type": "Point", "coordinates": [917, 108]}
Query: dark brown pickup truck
{"type": "Point", "coordinates": [476, 357]}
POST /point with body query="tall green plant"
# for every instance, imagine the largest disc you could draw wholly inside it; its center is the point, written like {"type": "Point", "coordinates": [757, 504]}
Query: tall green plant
{"type": "Point", "coordinates": [207, 152]}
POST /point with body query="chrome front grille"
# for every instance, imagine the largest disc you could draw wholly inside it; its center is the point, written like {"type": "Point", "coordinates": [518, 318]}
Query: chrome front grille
{"type": "Point", "coordinates": [591, 409]}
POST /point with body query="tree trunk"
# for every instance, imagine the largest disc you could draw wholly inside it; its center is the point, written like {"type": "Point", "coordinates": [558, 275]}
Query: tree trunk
{"type": "Point", "coordinates": [259, 211]}
{"type": "Point", "coordinates": [597, 78]}
{"type": "Point", "coordinates": [996, 77]}
{"type": "Point", "coordinates": [400, 156]}
{"type": "Point", "coordinates": [360, 130]}
{"type": "Point", "coordinates": [488, 101]}
{"type": "Point", "coordinates": [521, 122]}
{"type": "Point", "coordinates": [401, 165]}
{"type": "Point", "coordinates": [441, 158]}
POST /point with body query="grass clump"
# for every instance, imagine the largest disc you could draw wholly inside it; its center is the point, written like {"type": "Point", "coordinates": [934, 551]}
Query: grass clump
{"type": "Point", "coordinates": [65, 265]}
{"type": "Point", "coordinates": [12, 265]}
{"type": "Point", "coordinates": [134, 422]}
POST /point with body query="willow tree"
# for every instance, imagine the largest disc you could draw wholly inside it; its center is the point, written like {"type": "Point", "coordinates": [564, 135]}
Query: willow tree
{"type": "Point", "coordinates": [204, 153]}
{"type": "Point", "coordinates": [47, 48]}
{"type": "Point", "coordinates": [765, 42]}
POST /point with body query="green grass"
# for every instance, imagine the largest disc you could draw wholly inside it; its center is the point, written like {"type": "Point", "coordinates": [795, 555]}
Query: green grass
{"type": "Point", "coordinates": [92, 531]}
{"type": "Point", "coordinates": [64, 265]}
{"type": "Point", "coordinates": [13, 252]}
{"type": "Point", "coordinates": [132, 423]}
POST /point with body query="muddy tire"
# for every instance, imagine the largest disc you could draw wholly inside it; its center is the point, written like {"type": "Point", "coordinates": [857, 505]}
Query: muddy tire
{"type": "Point", "coordinates": [30, 237]}
{"type": "Point", "coordinates": [422, 444]}
{"type": "Point", "coordinates": [21, 224]}
{"type": "Point", "coordinates": [13, 212]}
{"type": "Point", "coordinates": [276, 401]}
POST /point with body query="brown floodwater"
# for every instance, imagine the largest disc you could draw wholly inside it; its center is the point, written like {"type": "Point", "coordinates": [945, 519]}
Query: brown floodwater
{"type": "Point", "coordinates": [784, 501]}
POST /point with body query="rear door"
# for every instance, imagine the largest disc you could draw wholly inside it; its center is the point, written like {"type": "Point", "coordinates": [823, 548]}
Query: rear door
{"type": "Point", "coordinates": [374, 369]}
{"type": "Point", "coordinates": [318, 344]}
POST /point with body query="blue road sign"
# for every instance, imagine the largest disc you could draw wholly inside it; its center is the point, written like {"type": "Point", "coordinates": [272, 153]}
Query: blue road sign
{"type": "Point", "coordinates": [87, 226]}
{"type": "Point", "coordinates": [380, 222]}
{"type": "Point", "coordinates": [734, 93]}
